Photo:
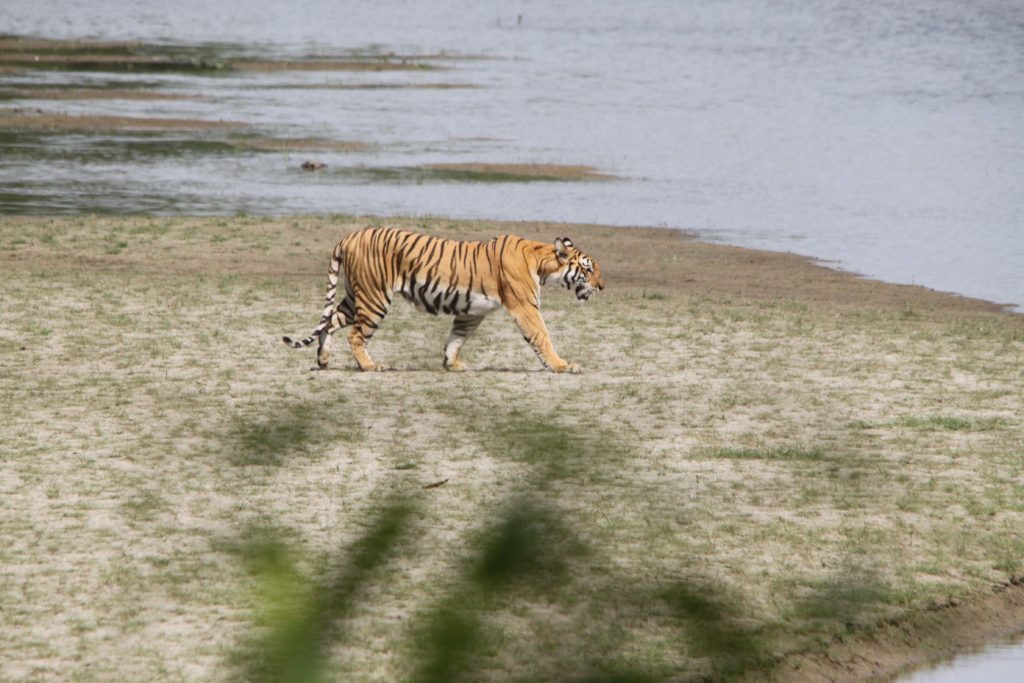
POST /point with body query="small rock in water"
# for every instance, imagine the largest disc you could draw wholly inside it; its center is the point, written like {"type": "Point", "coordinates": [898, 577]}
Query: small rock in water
{"type": "Point", "coordinates": [310, 165]}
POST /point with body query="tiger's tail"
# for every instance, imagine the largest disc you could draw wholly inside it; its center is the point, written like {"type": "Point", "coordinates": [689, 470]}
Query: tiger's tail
{"type": "Point", "coordinates": [332, 290]}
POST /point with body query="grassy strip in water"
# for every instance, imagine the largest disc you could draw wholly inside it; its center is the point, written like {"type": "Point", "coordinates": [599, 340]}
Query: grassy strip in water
{"type": "Point", "coordinates": [472, 173]}
{"type": "Point", "coordinates": [456, 171]}
{"type": "Point", "coordinates": [12, 43]}
{"type": "Point", "coordinates": [111, 63]}
{"type": "Point", "coordinates": [35, 120]}
{"type": "Point", "coordinates": [41, 145]}
{"type": "Point", "coordinates": [378, 86]}
{"type": "Point", "coordinates": [134, 57]}
{"type": "Point", "coordinates": [269, 65]}
{"type": "Point", "coordinates": [120, 91]}
{"type": "Point", "coordinates": [156, 136]}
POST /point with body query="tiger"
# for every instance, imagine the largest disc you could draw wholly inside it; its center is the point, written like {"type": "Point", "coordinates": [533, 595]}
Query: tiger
{"type": "Point", "coordinates": [469, 280]}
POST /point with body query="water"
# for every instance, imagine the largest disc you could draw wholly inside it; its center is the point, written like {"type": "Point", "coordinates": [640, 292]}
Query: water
{"type": "Point", "coordinates": [887, 137]}
{"type": "Point", "coordinates": [1002, 663]}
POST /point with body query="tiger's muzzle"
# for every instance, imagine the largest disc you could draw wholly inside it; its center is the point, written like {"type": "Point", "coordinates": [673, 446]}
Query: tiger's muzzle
{"type": "Point", "coordinates": [585, 289]}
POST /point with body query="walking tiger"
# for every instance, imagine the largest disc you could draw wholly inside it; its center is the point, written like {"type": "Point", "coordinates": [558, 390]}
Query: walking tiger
{"type": "Point", "coordinates": [469, 280]}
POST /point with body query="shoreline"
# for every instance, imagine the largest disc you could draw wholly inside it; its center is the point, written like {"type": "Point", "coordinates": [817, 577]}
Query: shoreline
{"type": "Point", "coordinates": [831, 263]}
{"type": "Point", "coordinates": [789, 428]}
{"type": "Point", "coordinates": [28, 54]}
{"type": "Point", "coordinates": [917, 641]}
{"type": "Point", "coordinates": [838, 264]}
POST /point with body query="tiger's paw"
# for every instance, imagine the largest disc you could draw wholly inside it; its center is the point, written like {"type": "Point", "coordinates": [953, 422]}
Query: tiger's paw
{"type": "Point", "coordinates": [457, 366]}
{"type": "Point", "coordinates": [571, 368]}
{"type": "Point", "coordinates": [376, 367]}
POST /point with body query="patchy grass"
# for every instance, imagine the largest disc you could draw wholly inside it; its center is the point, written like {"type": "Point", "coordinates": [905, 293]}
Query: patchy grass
{"type": "Point", "coordinates": [761, 457]}
{"type": "Point", "coordinates": [783, 453]}
{"type": "Point", "coordinates": [952, 423]}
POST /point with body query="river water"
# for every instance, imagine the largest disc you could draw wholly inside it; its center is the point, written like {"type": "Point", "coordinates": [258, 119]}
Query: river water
{"type": "Point", "coordinates": [1000, 663]}
{"type": "Point", "coordinates": [886, 137]}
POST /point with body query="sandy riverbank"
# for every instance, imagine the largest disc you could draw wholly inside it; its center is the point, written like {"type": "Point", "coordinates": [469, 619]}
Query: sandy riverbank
{"type": "Point", "coordinates": [767, 468]}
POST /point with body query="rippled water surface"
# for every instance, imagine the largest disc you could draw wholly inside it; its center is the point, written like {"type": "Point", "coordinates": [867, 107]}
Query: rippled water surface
{"type": "Point", "coordinates": [885, 136]}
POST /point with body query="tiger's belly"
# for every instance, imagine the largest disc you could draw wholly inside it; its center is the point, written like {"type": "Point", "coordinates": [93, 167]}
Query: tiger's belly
{"type": "Point", "coordinates": [482, 305]}
{"type": "Point", "coordinates": [438, 299]}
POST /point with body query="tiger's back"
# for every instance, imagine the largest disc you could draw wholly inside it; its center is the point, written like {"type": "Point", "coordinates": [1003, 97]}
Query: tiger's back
{"type": "Point", "coordinates": [436, 275]}
{"type": "Point", "coordinates": [466, 279]}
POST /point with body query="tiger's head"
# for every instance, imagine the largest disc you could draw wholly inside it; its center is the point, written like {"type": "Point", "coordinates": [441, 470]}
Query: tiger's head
{"type": "Point", "coordinates": [578, 272]}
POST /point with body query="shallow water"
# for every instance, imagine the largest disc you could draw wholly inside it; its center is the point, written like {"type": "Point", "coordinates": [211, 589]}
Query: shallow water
{"type": "Point", "coordinates": [886, 137]}
{"type": "Point", "coordinates": [1002, 663]}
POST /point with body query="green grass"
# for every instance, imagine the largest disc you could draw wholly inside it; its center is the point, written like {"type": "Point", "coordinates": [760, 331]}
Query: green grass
{"type": "Point", "coordinates": [782, 453]}
{"type": "Point", "coordinates": [116, 247]}
{"type": "Point", "coordinates": [952, 423]}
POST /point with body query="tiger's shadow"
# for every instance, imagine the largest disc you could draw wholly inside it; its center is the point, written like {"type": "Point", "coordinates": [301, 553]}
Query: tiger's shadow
{"type": "Point", "coordinates": [353, 369]}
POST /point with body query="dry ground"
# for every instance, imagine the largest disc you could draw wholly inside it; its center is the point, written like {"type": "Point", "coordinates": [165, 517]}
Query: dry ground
{"type": "Point", "coordinates": [765, 469]}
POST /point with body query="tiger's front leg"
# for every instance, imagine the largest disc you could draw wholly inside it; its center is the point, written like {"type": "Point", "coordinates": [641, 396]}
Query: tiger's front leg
{"type": "Point", "coordinates": [535, 332]}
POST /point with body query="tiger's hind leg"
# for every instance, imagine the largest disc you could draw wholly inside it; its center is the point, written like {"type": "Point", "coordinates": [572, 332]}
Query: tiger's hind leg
{"type": "Point", "coordinates": [367, 319]}
{"type": "Point", "coordinates": [343, 316]}
{"type": "Point", "coordinates": [463, 326]}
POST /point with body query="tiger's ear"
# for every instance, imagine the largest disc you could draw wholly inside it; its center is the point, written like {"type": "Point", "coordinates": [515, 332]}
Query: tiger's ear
{"type": "Point", "coordinates": [562, 245]}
